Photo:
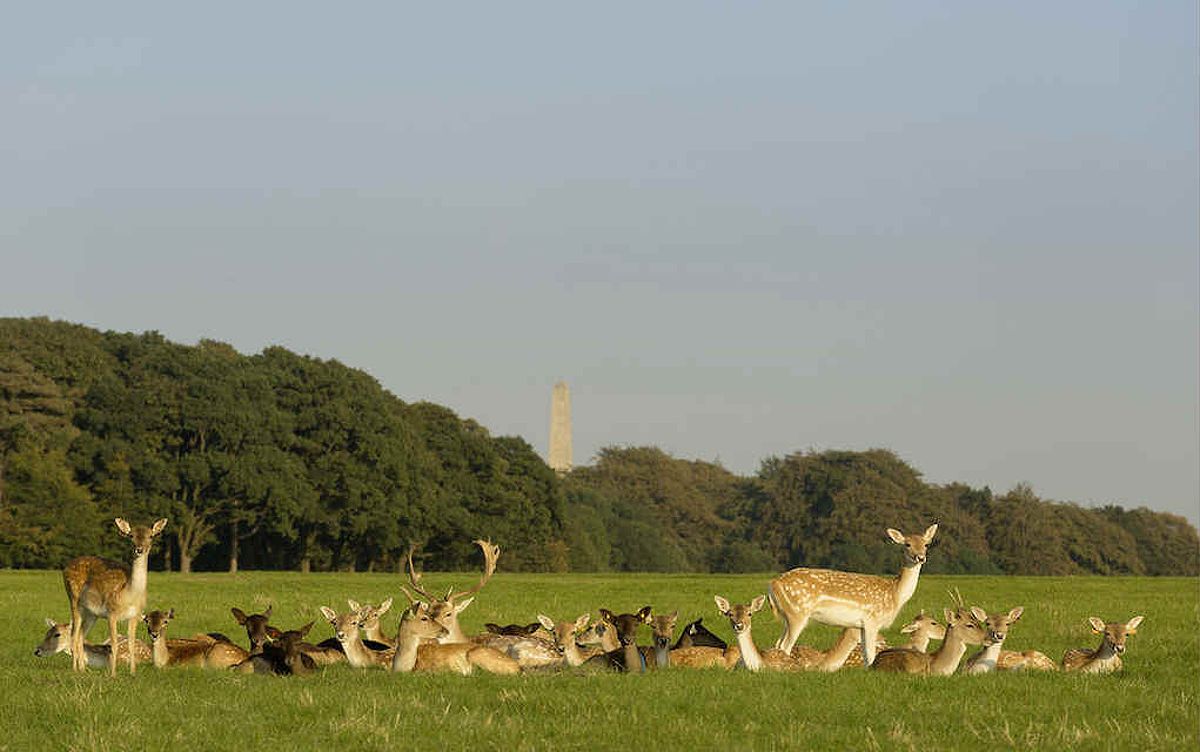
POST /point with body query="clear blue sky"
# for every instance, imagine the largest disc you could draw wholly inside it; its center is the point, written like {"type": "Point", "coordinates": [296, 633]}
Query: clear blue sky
{"type": "Point", "coordinates": [964, 231]}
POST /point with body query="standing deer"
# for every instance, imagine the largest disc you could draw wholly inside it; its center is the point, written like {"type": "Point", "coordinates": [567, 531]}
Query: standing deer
{"type": "Point", "coordinates": [446, 610]}
{"type": "Point", "coordinates": [99, 587]}
{"type": "Point", "coordinates": [201, 651]}
{"type": "Point", "coordinates": [996, 627]}
{"type": "Point", "coordinates": [1107, 657]}
{"type": "Point", "coordinates": [749, 655]}
{"type": "Point", "coordinates": [962, 629]}
{"type": "Point", "coordinates": [845, 599]}
{"type": "Point", "coordinates": [58, 640]}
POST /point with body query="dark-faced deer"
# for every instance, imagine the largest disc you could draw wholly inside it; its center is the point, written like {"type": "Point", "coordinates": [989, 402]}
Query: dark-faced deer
{"type": "Point", "coordinates": [58, 640]}
{"type": "Point", "coordinates": [200, 652]}
{"type": "Point", "coordinates": [845, 599]}
{"type": "Point", "coordinates": [99, 587]}
{"type": "Point", "coordinates": [282, 656]}
{"type": "Point", "coordinates": [1107, 657]}
{"type": "Point", "coordinates": [256, 627]}
{"type": "Point", "coordinates": [624, 627]}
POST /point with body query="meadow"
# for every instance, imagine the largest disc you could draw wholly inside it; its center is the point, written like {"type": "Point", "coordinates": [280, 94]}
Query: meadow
{"type": "Point", "coordinates": [1151, 705]}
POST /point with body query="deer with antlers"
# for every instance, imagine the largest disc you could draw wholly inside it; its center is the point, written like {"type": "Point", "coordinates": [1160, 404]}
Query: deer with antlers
{"type": "Point", "coordinates": [863, 602]}
{"type": "Point", "coordinates": [446, 610]}
{"type": "Point", "coordinates": [100, 587]}
{"type": "Point", "coordinates": [417, 649]}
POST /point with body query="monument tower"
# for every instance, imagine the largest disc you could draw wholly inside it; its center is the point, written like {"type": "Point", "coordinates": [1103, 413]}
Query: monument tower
{"type": "Point", "coordinates": [560, 429]}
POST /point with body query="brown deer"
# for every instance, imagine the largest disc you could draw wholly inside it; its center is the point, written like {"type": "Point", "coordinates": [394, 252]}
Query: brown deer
{"type": "Point", "coordinates": [358, 655]}
{"type": "Point", "coordinates": [446, 610]}
{"type": "Point", "coordinates": [845, 599]}
{"type": "Point", "coordinates": [100, 587]}
{"type": "Point", "coordinates": [658, 654]}
{"type": "Point", "coordinates": [282, 656]}
{"type": "Point", "coordinates": [845, 653]}
{"type": "Point", "coordinates": [1025, 660]}
{"type": "Point", "coordinates": [513, 630]}
{"type": "Point", "coordinates": [200, 651]}
{"type": "Point", "coordinates": [256, 627]}
{"type": "Point", "coordinates": [372, 629]}
{"type": "Point", "coordinates": [996, 627]}
{"type": "Point", "coordinates": [627, 657]}
{"type": "Point", "coordinates": [695, 634]}
{"type": "Point", "coordinates": [749, 656]}
{"type": "Point", "coordinates": [1106, 658]}
{"type": "Point", "coordinates": [962, 629]}
{"type": "Point", "coordinates": [418, 624]}
{"type": "Point", "coordinates": [58, 640]}
{"type": "Point", "coordinates": [921, 630]}
{"type": "Point", "coordinates": [564, 634]}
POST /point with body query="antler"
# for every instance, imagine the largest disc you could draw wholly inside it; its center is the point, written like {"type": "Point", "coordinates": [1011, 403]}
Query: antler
{"type": "Point", "coordinates": [957, 599]}
{"type": "Point", "coordinates": [415, 578]}
{"type": "Point", "coordinates": [491, 552]}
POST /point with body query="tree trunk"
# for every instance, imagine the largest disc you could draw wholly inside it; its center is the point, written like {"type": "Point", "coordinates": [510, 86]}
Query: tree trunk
{"type": "Point", "coordinates": [233, 547]}
{"type": "Point", "coordinates": [306, 564]}
{"type": "Point", "coordinates": [185, 561]}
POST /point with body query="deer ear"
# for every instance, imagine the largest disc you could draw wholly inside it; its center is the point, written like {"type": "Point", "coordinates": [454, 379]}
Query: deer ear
{"type": "Point", "coordinates": [267, 613]}
{"type": "Point", "coordinates": [1132, 626]}
{"type": "Point", "coordinates": [171, 614]}
{"type": "Point", "coordinates": [460, 607]}
{"type": "Point", "coordinates": [722, 604]}
{"type": "Point", "coordinates": [123, 526]}
{"type": "Point", "coordinates": [50, 622]}
{"type": "Point", "coordinates": [353, 604]}
{"type": "Point", "coordinates": [979, 614]}
{"type": "Point", "coordinates": [644, 614]}
{"type": "Point", "coordinates": [896, 536]}
{"type": "Point", "coordinates": [930, 532]}
{"type": "Point", "coordinates": [1096, 623]}
{"type": "Point", "coordinates": [757, 604]}
{"type": "Point", "coordinates": [1016, 613]}
{"type": "Point", "coordinates": [328, 613]}
{"type": "Point", "coordinates": [674, 615]}
{"type": "Point", "coordinates": [949, 616]}
{"type": "Point", "coordinates": [158, 526]}
{"type": "Point", "coordinates": [606, 615]}
{"type": "Point", "coordinates": [304, 630]}
{"type": "Point", "coordinates": [907, 628]}
{"type": "Point", "coordinates": [582, 622]}
{"type": "Point", "coordinates": [383, 607]}
{"type": "Point", "coordinates": [274, 633]}
{"type": "Point", "coordinates": [238, 615]}
{"type": "Point", "coordinates": [546, 622]}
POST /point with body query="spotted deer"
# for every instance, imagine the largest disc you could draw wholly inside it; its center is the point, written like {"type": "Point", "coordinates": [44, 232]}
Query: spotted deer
{"type": "Point", "coordinates": [1106, 658]}
{"type": "Point", "coordinates": [962, 629]}
{"type": "Point", "coordinates": [1025, 660]}
{"type": "Point", "coordinates": [413, 653]}
{"type": "Point", "coordinates": [200, 651]}
{"type": "Point", "coordinates": [446, 610]}
{"type": "Point", "coordinates": [749, 656]}
{"type": "Point", "coordinates": [100, 587]}
{"type": "Point", "coordinates": [996, 627]}
{"type": "Point", "coordinates": [564, 634]}
{"type": "Point", "coordinates": [58, 640]}
{"type": "Point", "coordinates": [845, 599]}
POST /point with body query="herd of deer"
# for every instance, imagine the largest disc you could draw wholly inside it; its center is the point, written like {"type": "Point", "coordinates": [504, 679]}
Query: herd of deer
{"type": "Point", "coordinates": [431, 639]}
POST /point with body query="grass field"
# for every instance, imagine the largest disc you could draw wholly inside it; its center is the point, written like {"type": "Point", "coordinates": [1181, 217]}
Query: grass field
{"type": "Point", "coordinates": [1152, 705]}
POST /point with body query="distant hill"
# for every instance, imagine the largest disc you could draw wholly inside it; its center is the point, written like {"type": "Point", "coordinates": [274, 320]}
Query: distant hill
{"type": "Point", "coordinates": [279, 460]}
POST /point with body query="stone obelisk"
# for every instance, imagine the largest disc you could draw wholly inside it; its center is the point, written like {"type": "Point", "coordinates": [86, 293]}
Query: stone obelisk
{"type": "Point", "coordinates": [560, 429]}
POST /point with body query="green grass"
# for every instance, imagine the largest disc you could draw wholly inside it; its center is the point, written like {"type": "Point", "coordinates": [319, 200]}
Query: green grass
{"type": "Point", "coordinates": [1151, 705]}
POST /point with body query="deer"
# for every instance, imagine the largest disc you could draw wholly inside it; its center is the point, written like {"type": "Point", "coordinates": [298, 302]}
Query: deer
{"type": "Point", "coordinates": [662, 627]}
{"type": "Point", "coordinates": [846, 652]}
{"type": "Point", "coordinates": [996, 627]}
{"type": "Point", "coordinates": [695, 634]}
{"type": "Point", "coordinates": [1107, 657]}
{"type": "Point", "coordinates": [372, 630]}
{"type": "Point", "coordinates": [58, 640]}
{"type": "Point", "coordinates": [447, 609]}
{"type": "Point", "coordinates": [418, 624]}
{"type": "Point", "coordinates": [845, 599]}
{"type": "Point", "coordinates": [627, 657]}
{"type": "Point", "coordinates": [100, 587]}
{"type": "Point", "coordinates": [748, 655]}
{"type": "Point", "coordinates": [256, 627]}
{"type": "Point", "coordinates": [564, 633]}
{"type": "Point", "coordinates": [1025, 660]}
{"type": "Point", "coordinates": [358, 655]}
{"type": "Point", "coordinates": [259, 631]}
{"type": "Point", "coordinates": [921, 630]}
{"type": "Point", "coordinates": [513, 630]}
{"type": "Point", "coordinates": [282, 656]}
{"type": "Point", "coordinates": [962, 629]}
{"type": "Point", "coordinates": [201, 651]}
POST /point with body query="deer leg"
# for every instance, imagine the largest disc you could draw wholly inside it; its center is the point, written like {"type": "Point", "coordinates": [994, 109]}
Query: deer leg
{"type": "Point", "coordinates": [112, 644]}
{"type": "Point", "coordinates": [77, 637]}
{"type": "Point", "coordinates": [132, 630]}
{"type": "Point", "coordinates": [870, 634]}
{"type": "Point", "coordinates": [794, 626]}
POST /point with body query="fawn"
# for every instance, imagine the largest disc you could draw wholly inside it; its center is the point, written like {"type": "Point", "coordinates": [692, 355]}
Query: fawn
{"type": "Point", "coordinates": [58, 640]}
{"type": "Point", "coordinates": [1106, 658]}
{"type": "Point", "coordinates": [773, 659]}
{"type": "Point", "coordinates": [996, 627]}
{"type": "Point", "coordinates": [201, 651]}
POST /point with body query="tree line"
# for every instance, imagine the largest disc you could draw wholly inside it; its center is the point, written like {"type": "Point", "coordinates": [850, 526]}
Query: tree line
{"type": "Point", "coordinates": [283, 461]}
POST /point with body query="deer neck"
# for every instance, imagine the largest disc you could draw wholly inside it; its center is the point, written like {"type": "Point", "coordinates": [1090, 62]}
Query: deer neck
{"type": "Point", "coordinates": [662, 656]}
{"type": "Point", "coordinates": [985, 660]}
{"type": "Point", "coordinates": [356, 651]}
{"type": "Point", "coordinates": [406, 652]}
{"type": "Point", "coordinates": [1105, 652]}
{"type": "Point", "coordinates": [919, 642]}
{"type": "Point", "coordinates": [138, 575]}
{"type": "Point", "coordinates": [571, 653]}
{"type": "Point", "coordinates": [633, 658]}
{"type": "Point", "coordinates": [158, 651]}
{"type": "Point", "coordinates": [609, 641]}
{"type": "Point", "coordinates": [947, 657]}
{"type": "Point", "coordinates": [751, 658]}
{"type": "Point", "coordinates": [906, 584]}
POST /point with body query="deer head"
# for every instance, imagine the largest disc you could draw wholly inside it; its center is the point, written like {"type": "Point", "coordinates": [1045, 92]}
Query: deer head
{"type": "Point", "coordinates": [156, 623]}
{"type": "Point", "coordinates": [370, 614]}
{"type": "Point", "coordinates": [915, 546]}
{"type": "Point", "coordinates": [57, 639]}
{"type": "Point", "coordinates": [996, 626]}
{"type": "Point", "coordinates": [564, 632]}
{"type": "Point", "coordinates": [345, 626]}
{"type": "Point", "coordinates": [926, 624]}
{"type": "Point", "coordinates": [141, 535]}
{"type": "Point", "coordinates": [626, 625]}
{"type": "Point", "coordinates": [256, 627]}
{"type": "Point", "coordinates": [1115, 633]}
{"type": "Point", "coordinates": [663, 627]}
{"type": "Point", "coordinates": [739, 615]}
{"type": "Point", "coordinates": [446, 609]}
{"type": "Point", "coordinates": [965, 625]}
{"type": "Point", "coordinates": [417, 623]}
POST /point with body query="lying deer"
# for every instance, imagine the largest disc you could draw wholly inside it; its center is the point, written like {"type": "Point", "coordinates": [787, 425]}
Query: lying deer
{"type": "Point", "coordinates": [749, 656]}
{"type": "Point", "coordinates": [845, 653]}
{"type": "Point", "coordinates": [256, 627]}
{"type": "Point", "coordinates": [1106, 658]}
{"type": "Point", "coordinates": [513, 630]}
{"type": "Point", "coordinates": [1026, 660]}
{"type": "Point", "coordinates": [371, 626]}
{"type": "Point", "coordinates": [201, 651]}
{"type": "Point", "coordinates": [962, 629]}
{"type": "Point", "coordinates": [58, 640]}
{"type": "Point", "coordinates": [99, 587]}
{"type": "Point", "coordinates": [696, 634]}
{"type": "Point", "coordinates": [282, 656]}
{"type": "Point", "coordinates": [662, 627]}
{"type": "Point", "coordinates": [564, 634]}
{"type": "Point", "coordinates": [845, 599]}
{"type": "Point", "coordinates": [447, 609]}
{"type": "Point", "coordinates": [259, 632]}
{"type": "Point", "coordinates": [996, 627]}
{"type": "Point", "coordinates": [413, 654]}
{"type": "Point", "coordinates": [358, 655]}
{"type": "Point", "coordinates": [921, 630]}
{"type": "Point", "coordinates": [627, 657]}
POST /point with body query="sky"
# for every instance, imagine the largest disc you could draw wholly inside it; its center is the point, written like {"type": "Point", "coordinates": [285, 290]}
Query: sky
{"type": "Point", "coordinates": [967, 232]}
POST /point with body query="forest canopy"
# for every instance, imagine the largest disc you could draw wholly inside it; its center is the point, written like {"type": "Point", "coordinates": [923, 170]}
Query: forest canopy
{"type": "Point", "coordinates": [284, 461]}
